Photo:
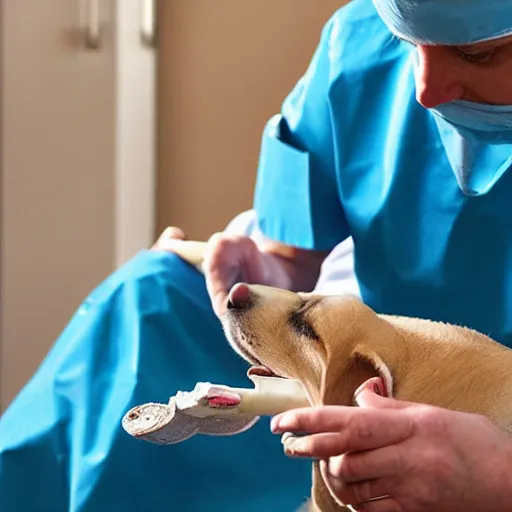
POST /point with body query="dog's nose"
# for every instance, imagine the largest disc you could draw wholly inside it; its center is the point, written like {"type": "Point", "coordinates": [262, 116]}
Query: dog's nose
{"type": "Point", "coordinates": [239, 297]}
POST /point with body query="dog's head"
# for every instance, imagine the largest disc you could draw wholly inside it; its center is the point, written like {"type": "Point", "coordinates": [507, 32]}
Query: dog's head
{"type": "Point", "coordinates": [316, 339]}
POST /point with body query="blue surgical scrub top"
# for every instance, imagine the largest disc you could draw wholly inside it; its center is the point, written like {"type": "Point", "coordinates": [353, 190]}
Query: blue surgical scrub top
{"type": "Point", "coordinates": [353, 153]}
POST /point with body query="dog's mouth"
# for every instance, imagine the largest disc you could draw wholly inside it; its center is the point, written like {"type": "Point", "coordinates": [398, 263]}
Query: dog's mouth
{"type": "Point", "coordinates": [241, 341]}
{"type": "Point", "coordinates": [262, 371]}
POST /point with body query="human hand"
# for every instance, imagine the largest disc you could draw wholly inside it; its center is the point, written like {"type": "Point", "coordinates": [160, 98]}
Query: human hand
{"type": "Point", "coordinates": [229, 259]}
{"type": "Point", "coordinates": [418, 458]}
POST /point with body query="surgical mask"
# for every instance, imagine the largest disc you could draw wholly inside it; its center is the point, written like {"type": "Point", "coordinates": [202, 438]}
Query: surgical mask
{"type": "Point", "coordinates": [477, 138]}
{"type": "Point", "coordinates": [477, 165]}
{"type": "Point", "coordinates": [478, 122]}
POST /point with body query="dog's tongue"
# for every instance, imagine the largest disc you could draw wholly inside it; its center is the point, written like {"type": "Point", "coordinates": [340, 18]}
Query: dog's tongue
{"type": "Point", "coordinates": [262, 371]}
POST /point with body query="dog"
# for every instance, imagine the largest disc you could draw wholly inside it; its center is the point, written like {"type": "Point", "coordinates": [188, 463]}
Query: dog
{"type": "Point", "coordinates": [333, 344]}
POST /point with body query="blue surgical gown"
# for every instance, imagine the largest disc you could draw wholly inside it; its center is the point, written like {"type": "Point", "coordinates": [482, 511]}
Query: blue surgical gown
{"type": "Point", "coordinates": [143, 334]}
{"type": "Point", "coordinates": [351, 153]}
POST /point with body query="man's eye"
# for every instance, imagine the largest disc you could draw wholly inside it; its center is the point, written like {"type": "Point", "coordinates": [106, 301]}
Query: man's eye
{"type": "Point", "coordinates": [481, 57]}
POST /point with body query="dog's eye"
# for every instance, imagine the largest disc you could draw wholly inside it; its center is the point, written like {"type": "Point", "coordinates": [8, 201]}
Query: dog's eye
{"type": "Point", "coordinates": [300, 324]}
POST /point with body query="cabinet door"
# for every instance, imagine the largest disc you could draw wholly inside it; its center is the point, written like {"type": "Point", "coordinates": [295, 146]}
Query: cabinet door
{"type": "Point", "coordinates": [77, 164]}
{"type": "Point", "coordinates": [225, 67]}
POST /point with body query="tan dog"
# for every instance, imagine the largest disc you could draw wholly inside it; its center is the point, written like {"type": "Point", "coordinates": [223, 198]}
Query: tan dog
{"type": "Point", "coordinates": [332, 344]}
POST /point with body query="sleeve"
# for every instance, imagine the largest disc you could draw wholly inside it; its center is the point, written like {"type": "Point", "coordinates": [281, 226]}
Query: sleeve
{"type": "Point", "coordinates": [296, 196]}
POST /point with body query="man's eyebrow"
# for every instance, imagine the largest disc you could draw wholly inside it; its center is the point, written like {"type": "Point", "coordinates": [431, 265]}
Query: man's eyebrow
{"type": "Point", "coordinates": [483, 46]}
{"type": "Point", "coordinates": [476, 47]}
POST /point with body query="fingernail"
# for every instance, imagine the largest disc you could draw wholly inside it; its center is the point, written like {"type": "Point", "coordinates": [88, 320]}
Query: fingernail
{"type": "Point", "coordinates": [292, 446]}
{"type": "Point", "coordinates": [274, 424]}
{"type": "Point", "coordinates": [280, 424]}
{"type": "Point", "coordinates": [296, 447]}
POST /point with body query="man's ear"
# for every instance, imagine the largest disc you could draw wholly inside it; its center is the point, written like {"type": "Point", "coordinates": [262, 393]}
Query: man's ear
{"type": "Point", "coordinates": [341, 379]}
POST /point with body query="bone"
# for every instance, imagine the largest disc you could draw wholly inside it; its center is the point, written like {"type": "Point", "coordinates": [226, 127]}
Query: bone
{"type": "Point", "coordinates": [212, 409]}
{"type": "Point", "coordinates": [191, 251]}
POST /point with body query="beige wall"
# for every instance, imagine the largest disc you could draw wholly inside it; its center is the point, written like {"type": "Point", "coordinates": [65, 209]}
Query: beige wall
{"type": "Point", "coordinates": [77, 166]}
{"type": "Point", "coordinates": [57, 178]}
{"type": "Point", "coordinates": [225, 67]}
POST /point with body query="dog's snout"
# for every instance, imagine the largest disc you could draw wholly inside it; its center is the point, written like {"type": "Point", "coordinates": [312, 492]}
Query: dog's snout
{"type": "Point", "coordinates": [239, 297]}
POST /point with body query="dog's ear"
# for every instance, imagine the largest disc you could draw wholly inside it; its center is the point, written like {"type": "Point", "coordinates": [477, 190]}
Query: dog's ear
{"type": "Point", "coordinates": [341, 378]}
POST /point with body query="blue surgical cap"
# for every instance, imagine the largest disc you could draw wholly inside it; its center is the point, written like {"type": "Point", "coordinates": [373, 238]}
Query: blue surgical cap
{"type": "Point", "coordinates": [447, 22]}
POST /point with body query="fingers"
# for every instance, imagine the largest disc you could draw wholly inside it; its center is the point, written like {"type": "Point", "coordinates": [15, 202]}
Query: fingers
{"type": "Point", "coordinates": [336, 430]}
{"type": "Point", "coordinates": [169, 233]}
{"type": "Point", "coordinates": [384, 462]}
{"type": "Point", "coordinates": [174, 232]}
{"type": "Point", "coordinates": [327, 418]}
{"type": "Point", "coordinates": [383, 505]}
{"type": "Point", "coordinates": [369, 395]}
{"type": "Point", "coordinates": [331, 418]}
{"type": "Point", "coordinates": [317, 446]}
{"type": "Point", "coordinates": [326, 445]}
{"type": "Point", "coordinates": [359, 494]}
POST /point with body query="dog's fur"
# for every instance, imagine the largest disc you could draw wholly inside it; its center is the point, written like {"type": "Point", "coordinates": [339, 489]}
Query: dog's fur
{"type": "Point", "coordinates": [332, 344]}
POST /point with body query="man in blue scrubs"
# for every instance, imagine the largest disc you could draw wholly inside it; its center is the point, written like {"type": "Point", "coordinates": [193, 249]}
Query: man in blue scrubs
{"type": "Point", "coordinates": [400, 135]}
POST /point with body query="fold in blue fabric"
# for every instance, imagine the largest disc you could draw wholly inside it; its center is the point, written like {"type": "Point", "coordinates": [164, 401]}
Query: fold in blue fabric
{"type": "Point", "coordinates": [146, 332]}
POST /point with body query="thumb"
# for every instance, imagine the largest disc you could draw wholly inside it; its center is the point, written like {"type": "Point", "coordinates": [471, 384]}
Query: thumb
{"type": "Point", "coordinates": [166, 239]}
{"type": "Point", "coordinates": [371, 394]}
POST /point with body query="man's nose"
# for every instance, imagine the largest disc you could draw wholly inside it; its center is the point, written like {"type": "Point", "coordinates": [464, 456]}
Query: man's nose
{"type": "Point", "coordinates": [436, 76]}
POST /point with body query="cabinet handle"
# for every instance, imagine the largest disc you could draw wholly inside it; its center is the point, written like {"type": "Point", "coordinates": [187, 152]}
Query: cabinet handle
{"type": "Point", "coordinates": [92, 31]}
{"type": "Point", "coordinates": [148, 22]}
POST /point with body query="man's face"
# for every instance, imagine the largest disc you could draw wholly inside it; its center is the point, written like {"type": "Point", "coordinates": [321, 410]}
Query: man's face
{"type": "Point", "coordinates": [480, 72]}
